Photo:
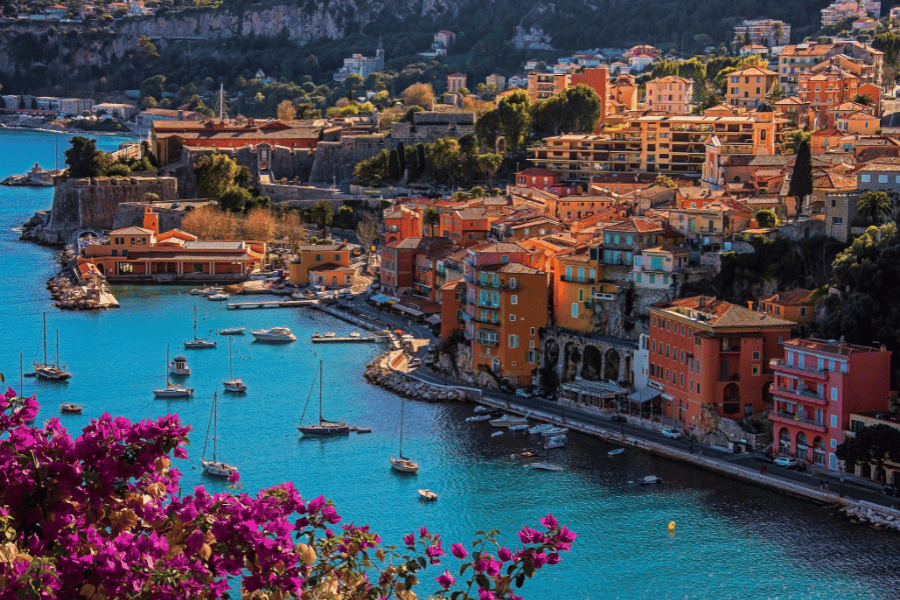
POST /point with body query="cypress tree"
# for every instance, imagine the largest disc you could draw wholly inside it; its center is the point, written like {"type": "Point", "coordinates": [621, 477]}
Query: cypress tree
{"type": "Point", "coordinates": [413, 163]}
{"type": "Point", "coordinates": [393, 165]}
{"type": "Point", "coordinates": [401, 155]}
{"type": "Point", "coordinates": [420, 158]}
{"type": "Point", "coordinates": [801, 178]}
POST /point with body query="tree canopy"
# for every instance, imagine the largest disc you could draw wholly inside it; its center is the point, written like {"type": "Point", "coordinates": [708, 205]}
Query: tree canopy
{"type": "Point", "coordinates": [214, 174]}
{"type": "Point", "coordinates": [83, 158]}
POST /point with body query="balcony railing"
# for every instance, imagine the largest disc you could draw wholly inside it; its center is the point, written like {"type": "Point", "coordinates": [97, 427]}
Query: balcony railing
{"type": "Point", "coordinates": [575, 279]}
{"type": "Point", "coordinates": [786, 417]}
{"type": "Point", "coordinates": [487, 341]}
{"type": "Point", "coordinates": [802, 396]}
{"type": "Point", "coordinates": [781, 366]}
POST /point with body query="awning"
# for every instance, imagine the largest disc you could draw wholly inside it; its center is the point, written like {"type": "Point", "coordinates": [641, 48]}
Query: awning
{"type": "Point", "coordinates": [668, 397]}
{"type": "Point", "coordinates": [384, 299]}
{"type": "Point", "coordinates": [433, 319]}
{"type": "Point", "coordinates": [408, 310]}
{"type": "Point", "coordinates": [644, 395]}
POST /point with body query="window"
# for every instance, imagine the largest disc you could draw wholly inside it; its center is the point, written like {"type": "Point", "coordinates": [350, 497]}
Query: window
{"type": "Point", "coordinates": [681, 379]}
{"type": "Point", "coordinates": [581, 295]}
{"type": "Point", "coordinates": [837, 220]}
{"type": "Point", "coordinates": [834, 421]}
{"type": "Point", "coordinates": [654, 345]}
{"type": "Point", "coordinates": [568, 273]}
{"type": "Point", "coordinates": [532, 331]}
{"type": "Point", "coordinates": [667, 351]}
{"type": "Point", "coordinates": [337, 258]}
{"type": "Point", "coordinates": [531, 343]}
{"type": "Point", "coordinates": [512, 317]}
{"type": "Point", "coordinates": [833, 443]}
{"type": "Point", "coordinates": [865, 178]}
{"type": "Point", "coordinates": [531, 356]}
{"type": "Point", "coordinates": [512, 283]}
{"type": "Point", "coordinates": [756, 356]}
{"type": "Point", "coordinates": [780, 339]}
{"type": "Point", "coordinates": [513, 341]}
{"type": "Point", "coordinates": [756, 369]}
{"type": "Point", "coordinates": [834, 394]}
{"type": "Point", "coordinates": [882, 179]}
{"type": "Point", "coordinates": [574, 310]}
{"type": "Point", "coordinates": [513, 299]}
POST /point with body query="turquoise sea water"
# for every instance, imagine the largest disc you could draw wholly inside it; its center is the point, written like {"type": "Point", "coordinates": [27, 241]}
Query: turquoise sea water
{"type": "Point", "coordinates": [731, 540]}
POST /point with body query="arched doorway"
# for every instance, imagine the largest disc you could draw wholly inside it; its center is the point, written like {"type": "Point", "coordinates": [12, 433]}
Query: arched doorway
{"type": "Point", "coordinates": [731, 399]}
{"type": "Point", "coordinates": [551, 353]}
{"type": "Point", "coordinates": [590, 368]}
{"type": "Point", "coordinates": [495, 365]}
{"type": "Point", "coordinates": [819, 451]}
{"type": "Point", "coordinates": [802, 446]}
{"type": "Point", "coordinates": [571, 358]}
{"type": "Point", "coordinates": [784, 441]}
{"type": "Point", "coordinates": [611, 365]}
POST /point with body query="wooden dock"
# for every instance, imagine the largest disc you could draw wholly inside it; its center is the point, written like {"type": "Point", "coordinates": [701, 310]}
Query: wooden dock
{"type": "Point", "coordinates": [272, 304]}
{"type": "Point", "coordinates": [359, 339]}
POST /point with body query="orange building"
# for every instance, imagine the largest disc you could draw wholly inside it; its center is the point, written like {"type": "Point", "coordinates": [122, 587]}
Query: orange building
{"type": "Point", "coordinates": [749, 87]}
{"type": "Point", "coordinates": [542, 85]}
{"type": "Point", "coordinates": [574, 276]}
{"type": "Point", "coordinates": [455, 82]}
{"type": "Point", "coordinates": [705, 351]}
{"type": "Point", "coordinates": [825, 90]}
{"type": "Point", "coordinates": [401, 222]}
{"type": "Point", "coordinates": [327, 265]}
{"type": "Point", "coordinates": [452, 294]}
{"type": "Point", "coordinates": [793, 305]}
{"type": "Point", "coordinates": [140, 254]}
{"type": "Point", "coordinates": [467, 226]}
{"type": "Point", "coordinates": [670, 95]}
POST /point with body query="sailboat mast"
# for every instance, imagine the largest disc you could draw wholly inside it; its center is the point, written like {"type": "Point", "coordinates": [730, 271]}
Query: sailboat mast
{"type": "Point", "coordinates": [57, 347]}
{"type": "Point", "coordinates": [21, 377]}
{"type": "Point", "coordinates": [320, 392]}
{"type": "Point", "coordinates": [166, 368]}
{"type": "Point", "coordinates": [215, 424]}
{"type": "Point", "coordinates": [45, 338]}
{"type": "Point", "coordinates": [195, 322]}
{"type": "Point", "coordinates": [402, 406]}
{"type": "Point", "coordinates": [230, 374]}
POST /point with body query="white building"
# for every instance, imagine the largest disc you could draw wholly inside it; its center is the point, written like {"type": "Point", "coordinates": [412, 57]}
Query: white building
{"type": "Point", "coordinates": [361, 65]}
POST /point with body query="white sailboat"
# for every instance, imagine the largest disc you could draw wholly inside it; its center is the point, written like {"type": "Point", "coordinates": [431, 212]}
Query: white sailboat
{"type": "Point", "coordinates": [198, 343]}
{"type": "Point", "coordinates": [214, 467]}
{"type": "Point", "coordinates": [172, 390]}
{"type": "Point", "coordinates": [51, 371]}
{"type": "Point", "coordinates": [324, 427]}
{"type": "Point", "coordinates": [403, 464]}
{"type": "Point", "coordinates": [233, 385]}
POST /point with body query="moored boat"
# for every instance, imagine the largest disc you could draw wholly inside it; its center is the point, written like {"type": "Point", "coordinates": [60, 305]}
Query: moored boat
{"type": "Point", "coordinates": [69, 407]}
{"type": "Point", "coordinates": [172, 390]}
{"type": "Point", "coordinates": [615, 452]}
{"type": "Point", "coordinates": [478, 418]}
{"type": "Point", "coordinates": [232, 331]}
{"type": "Point", "coordinates": [427, 495]}
{"type": "Point", "coordinates": [198, 343]}
{"type": "Point", "coordinates": [218, 297]}
{"type": "Point", "coordinates": [179, 366]}
{"type": "Point", "coordinates": [233, 385]}
{"type": "Point", "coordinates": [650, 479]}
{"type": "Point", "coordinates": [557, 441]}
{"type": "Point", "coordinates": [403, 464]}
{"type": "Point", "coordinates": [275, 334]}
{"type": "Point", "coordinates": [508, 420]}
{"type": "Point", "coordinates": [324, 426]}
{"type": "Point", "coordinates": [51, 371]}
{"type": "Point", "coordinates": [554, 431]}
{"type": "Point", "coordinates": [545, 466]}
{"type": "Point", "coordinates": [215, 467]}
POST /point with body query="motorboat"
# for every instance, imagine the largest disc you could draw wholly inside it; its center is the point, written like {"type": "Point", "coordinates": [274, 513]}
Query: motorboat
{"type": "Point", "coordinates": [521, 427]}
{"type": "Point", "coordinates": [540, 428]}
{"type": "Point", "coordinates": [330, 334]}
{"type": "Point", "coordinates": [198, 343]}
{"type": "Point", "coordinates": [557, 441]}
{"type": "Point", "coordinates": [526, 454]}
{"type": "Point", "coordinates": [650, 479]}
{"type": "Point", "coordinates": [275, 334]}
{"type": "Point", "coordinates": [554, 431]}
{"type": "Point", "coordinates": [355, 334]}
{"type": "Point", "coordinates": [232, 331]}
{"type": "Point", "coordinates": [483, 410]}
{"type": "Point", "coordinates": [545, 466]}
{"type": "Point", "coordinates": [323, 426]}
{"type": "Point", "coordinates": [427, 495]}
{"type": "Point", "coordinates": [212, 290]}
{"type": "Point", "coordinates": [615, 452]}
{"type": "Point", "coordinates": [197, 292]}
{"type": "Point", "coordinates": [70, 408]}
{"type": "Point", "coordinates": [179, 366]}
{"type": "Point", "coordinates": [497, 434]}
{"type": "Point", "coordinates": [214, 467]}
{"type": "Point", "coordinates": [218, 297]}
{"type": "Point", "coordinates": [478, 418]}
{"type": "Point", "coordinates": [508, 420]}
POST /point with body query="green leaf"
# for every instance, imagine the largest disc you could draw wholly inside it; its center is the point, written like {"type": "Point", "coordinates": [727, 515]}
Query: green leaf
{"type": "Point", "coordinates": [528, 567]}
{"type": "Point", "coordinates": [520, 580]}
{"type": "Point", "coordinates": [510, 569]}
{"type": "Point", "coordinates": [480, 533]}
{"type": "Point", "coordinates": [455, 595]}
{"type": "Point", "coordinates": [463, 568]}
{"type": "Point", "coordinates": [483, 581]}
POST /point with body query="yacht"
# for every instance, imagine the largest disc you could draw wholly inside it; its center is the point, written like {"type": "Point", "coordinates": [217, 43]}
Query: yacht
{"type": "Point", "coordinates": [179, 366]}
{"type": "Point", "coordinates": [275, 334]}
{"type": "Point", "coordinates": [508, 420]}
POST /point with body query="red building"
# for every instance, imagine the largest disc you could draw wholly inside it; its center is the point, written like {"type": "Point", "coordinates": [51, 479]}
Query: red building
{"type": "Point", "coordinates": [539, 179]}
{"type": "Point", "coordinates": [705, 351]}
{"type": "Point", "coordinates": [398, 261]}
{"type": "Point", "coordinates": [817, 385]}
{"type": "Point", "coordinates": [467, 226]}
{"type": "Point", "coordinates": [402, 222]}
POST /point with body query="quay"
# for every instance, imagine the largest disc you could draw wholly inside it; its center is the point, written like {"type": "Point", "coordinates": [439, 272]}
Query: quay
{"type": "Point", "coordinates": [271, 304]}
{"type": "Point", "coordinates": [320, 339]}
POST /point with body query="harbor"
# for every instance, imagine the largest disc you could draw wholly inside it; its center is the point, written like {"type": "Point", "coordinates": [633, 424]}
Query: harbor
{"type": "Point", "coordinates": [270, 304]}
{"type": "Point", "coordinates": [724, 526]}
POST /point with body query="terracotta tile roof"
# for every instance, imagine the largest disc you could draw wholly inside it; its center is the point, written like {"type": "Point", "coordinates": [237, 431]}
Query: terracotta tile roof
{"type": "Point", "coordinates": [789, 298]}
{"type": "Point", "coordinates": [720, 314]}
{"type": "Point", "coordinates": [830, 346]}
{"type": "Point", "coordinates": [638, 224]}
{"type": "Point", "coordinates": [131, 231]}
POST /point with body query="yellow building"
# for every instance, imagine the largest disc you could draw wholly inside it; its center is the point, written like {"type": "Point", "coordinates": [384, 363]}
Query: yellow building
{"type": "Point", "coordinates": [670, 95]}
{"type": "Point", "coordinates": [749, 87]}
{"type": "Point", "coordinates": [574, 277]}
{"type": "Point", "coordinates": [327, 265]}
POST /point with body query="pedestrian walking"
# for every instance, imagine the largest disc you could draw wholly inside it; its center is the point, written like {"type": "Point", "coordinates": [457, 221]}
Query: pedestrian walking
{"type": "Point", "coordinates": [826, 486]}
{"type": "Point", "coordinates": [762, 469]}
{"type": "Point", "coordinates": [821, 484]}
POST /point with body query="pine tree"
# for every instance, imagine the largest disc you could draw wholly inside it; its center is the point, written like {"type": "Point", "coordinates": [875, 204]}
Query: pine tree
{"type": "Point", "coordinates": [393, 165]}
{"type": "Point", "coordinates": [801, 179]}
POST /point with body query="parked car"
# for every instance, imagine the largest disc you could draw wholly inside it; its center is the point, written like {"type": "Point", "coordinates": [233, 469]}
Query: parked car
{"type": "Point", "coordinates": [541, 392]}
{"type": "Point", "coordinates": [414, 362]}
{"type": "Point", "coordinates": [618, 418]}
{"type": "Point", "coordinates": [763, 457]}
{"type": "Point", "coordinates": [787, 462]}
{"type": "Point", "coordinates": [891, 489]}
{"type": "Point", "coordinates": [429, 359]}
{"type": "Point", "coordinates": [672, 434]}
{"type": "Point", "coordinates": [505, 388]}
{"type": "Point", "coordinates": [524, 393]}
{"type": "Point", "coordinates": [347, 295]}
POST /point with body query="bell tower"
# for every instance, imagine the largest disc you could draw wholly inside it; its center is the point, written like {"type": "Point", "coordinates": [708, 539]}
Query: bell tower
{"type": "Point", "coordinates": [713, 177]}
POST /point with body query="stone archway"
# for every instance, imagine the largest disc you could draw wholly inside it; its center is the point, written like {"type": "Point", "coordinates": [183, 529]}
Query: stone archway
{"type": "Point", "coordinates": [592, 363]}
{"type": "Point", "coordinates": [571, 360]}
{"type": "Point", "coordinates": [784, 441]}
{"type": "Point", "coordinates": [611, 365]}
{"type": "Point", "coordinates": [551, 353]}
{"type": "Point", "coordinates": [802, 446]}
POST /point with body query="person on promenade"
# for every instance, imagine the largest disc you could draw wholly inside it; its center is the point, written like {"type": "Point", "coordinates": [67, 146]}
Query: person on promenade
{"type": "Point", "coordinates": [762, 469]}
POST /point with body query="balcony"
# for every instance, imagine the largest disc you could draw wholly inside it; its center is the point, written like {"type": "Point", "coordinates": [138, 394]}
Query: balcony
{"type": "Point", "coordinates": [486, 341]}
{"type": "Point", "coordinates": [793, 419]}
{"type": "Point", "coordinates": [604, 296]}
{"type": "Point", "coordinates": [728, 348]}
{"type": "Point", "coordinates": [806, 396]}
{"type": "Point", "coordinates": [573, 279]}
{"type": "Point", "coordinates": [782, 367]}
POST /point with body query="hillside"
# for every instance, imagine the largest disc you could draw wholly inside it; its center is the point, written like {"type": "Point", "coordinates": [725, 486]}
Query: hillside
{"type": "Point", "coordinates": [33, 54]}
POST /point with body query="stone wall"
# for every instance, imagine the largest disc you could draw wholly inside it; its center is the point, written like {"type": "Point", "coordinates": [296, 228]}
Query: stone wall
{"type": "Point", "coordinates": [335, 161]}
{"type": "Point", "coordinates": [93, 203]}
{"type": "Point", "coordinates": [567, 355]}
{"type": "Point", "coordinates": [132, 215]}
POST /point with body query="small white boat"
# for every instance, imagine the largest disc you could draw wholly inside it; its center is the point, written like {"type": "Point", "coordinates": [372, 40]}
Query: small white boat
{"type": "Point", "coordinates": [355, 334]}
{"type": "Point", "coordinates": [482, 410]}
{"type": "Point", "coordinates": [330, 334]}
{"type": "Point", "coordinates": [70, 408]}
{"type": "Point", "coordinates": [179, 366]}
{"type": "Point", "coordinates": [522, 427]}
{"type": "Point", "coordinates": [402, 464]}
{"type": "Point", "coordinates": [232, 331]}
{"type": "Point", "coordinates": [497, 434]}
{"type": "Point", "coordinates": [210, 291]}
{"type": "Point", "coordinates": [526, 454]}
{"type": "Point", "coordinates": [545, 466]}
{"type": "Point", "coordinates": [650, 479]}
{"type": "Point", "coordinates": [615, 452]}
{"type": "Point", "coordinates": [233, 384]}
{"type": "Point", "coordinates": [478, 418]}
{"type": "Point", "coordinates": [558, 441]}
{"type": "Point", "coordinates": [197, 292]}
{"type": "Point", "coordinates": [172, 390]}
{"type": "Point", "coordinates": [554, 431]}
{"type": "Point", "coordinates": [509, 420]}
{"type": "Point", "coordinates": [275, 334]}
{"type": "Point", "coordinates": [427, 495]}
{"type": "Point", "coordinates": [218, 297]}
{"type": "Point", "coordinates": [540, 428]}
{"type": "Point", "coordinates": [214, 467]}
{"type": "Point", "coordinates": [198, 343]}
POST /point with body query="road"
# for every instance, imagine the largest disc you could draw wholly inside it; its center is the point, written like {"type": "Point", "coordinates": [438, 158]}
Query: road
{"type": "Point", "coordinates": [852, 487]}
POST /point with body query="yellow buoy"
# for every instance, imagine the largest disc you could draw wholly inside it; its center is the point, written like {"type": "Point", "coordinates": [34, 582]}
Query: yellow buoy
{"type": "Point", "coordinates": [671, 525]}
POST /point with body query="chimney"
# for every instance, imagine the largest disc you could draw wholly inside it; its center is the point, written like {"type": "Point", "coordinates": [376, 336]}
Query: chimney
{"type": "Point", "coordinates": [181, 115]}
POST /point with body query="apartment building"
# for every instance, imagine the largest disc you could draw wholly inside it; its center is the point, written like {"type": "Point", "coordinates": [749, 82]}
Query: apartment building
{"type": "Point", "coordinates": [824, 90]}
{"type": "Point", "coordinates": [764, 31]}
{"type": "Point", "coordinates": [748, 88]}
{"type": "Point", "coordinates": [574, 278]}
{"type": "Point", "coordinates": [670, 95]}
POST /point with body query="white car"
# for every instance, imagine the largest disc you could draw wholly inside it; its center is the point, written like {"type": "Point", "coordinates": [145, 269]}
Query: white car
{"type": "Point", "coordinates": [786, 461]}
{"type": "Point", "coordinates": [414, 362]}
{"type": "Point", "coordinates": [672, 434]}
{"type": "Point", "coordinates": [522, 392]}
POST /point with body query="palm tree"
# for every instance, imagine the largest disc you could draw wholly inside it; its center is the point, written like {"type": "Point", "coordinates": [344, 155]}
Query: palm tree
{"type": "Point", "coordinates": [777, 32]}
{"type": "Point", "coordinates": [863, 99]}
{"type": "Point", "coordinates": [431, 217]}
{"type": "Point", "coordinates": [874, 205]}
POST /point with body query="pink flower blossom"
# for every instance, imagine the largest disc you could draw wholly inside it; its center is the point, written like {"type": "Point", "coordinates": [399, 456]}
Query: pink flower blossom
{"type": "Point", "coordinates": [504, 554]}
{"type": "Point", "coordinates": [410, 540]}
{"type": "Point", "coordinates": [445, 579]}
{"type": "Point", "coordinates": [549, 522]}
{"type": "Point", "coordinates": [458, 550]}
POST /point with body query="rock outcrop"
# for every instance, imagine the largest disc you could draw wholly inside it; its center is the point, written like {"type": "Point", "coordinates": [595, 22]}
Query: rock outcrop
{"type": "Point", "coordinates": [378, 373]}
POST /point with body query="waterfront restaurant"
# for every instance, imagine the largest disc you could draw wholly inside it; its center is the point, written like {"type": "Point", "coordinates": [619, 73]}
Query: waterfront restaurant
{"type": "Point", "coordinates": [140, 254]}
{"type": "Point", "coordinates": [592, 396]}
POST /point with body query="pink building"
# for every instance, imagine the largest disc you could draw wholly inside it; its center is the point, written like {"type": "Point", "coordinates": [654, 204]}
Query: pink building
{"type": "Point", "coordinates": [455, 82]}
{"type": "Point", "coordinates": [817, 385]}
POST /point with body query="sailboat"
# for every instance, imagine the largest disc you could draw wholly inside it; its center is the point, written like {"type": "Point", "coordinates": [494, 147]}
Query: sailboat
{"type": "Point", "coordinates": [51, 371]}
{"type": "Point", "coordinates": [198, 342]}
{"type": "Point", "coordinates": [324, 427]}
{"type": "Point", "coordinates": [214, 467]}
{"type": "Point", "coordinates": [403, 464]}
{"type": "Point", "coordinates": [233, 385]}
{"type": "Point", "coordinates": [172, 390]}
